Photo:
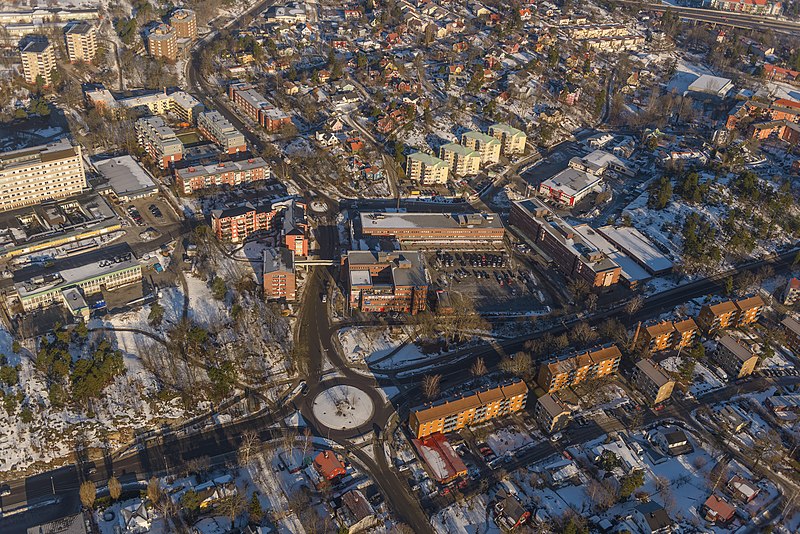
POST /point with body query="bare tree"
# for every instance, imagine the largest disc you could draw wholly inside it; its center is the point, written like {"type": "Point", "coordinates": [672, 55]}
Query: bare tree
{"type": "Point", "coordinates": [114, 488]}
{"type": "Point", "coordinates": [591, 302]}
{"type": "Point", "coordinates": [634, 305]}
{"type": "Point", "coordinates": [88, 493]}
{"type": "Point", "coordinates": [232, 505]}
{"type": "Point", "coordinates": [430, 386]}
{"type": "Point", "coordinates": [154, 492]}
{"type": "Point", "coordinates": [249, 445]}
{"type": "Point", "coordinates": [520, 364]}
{"type": "Point", "coordinates": [478, 367]}
{"type": "Point", "coordinates": [582, 334]}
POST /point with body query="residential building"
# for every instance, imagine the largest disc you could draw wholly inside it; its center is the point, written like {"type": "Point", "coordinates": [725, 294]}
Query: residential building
{"type": "Point", "coordinates": [181, 103]}
{"type": "Point", "coordinates": [651, 518]}
{"type": "Point", "coordinates": [791, 293]}
{"type": "Point", "coordinates": [228, 173]}
{"type": "Point", "coordinates": [754, 7]}
{"type": "Point", "coordinates": [440, 458]}
{"type": "Point", "coordinates": [651, 380]}
{"type": "Point", "coordinates": [469, 408]}
{"type": "Point", "coordinates": [742, 489]}
{"type": "Point", "coordinates": [791, 328]}
{"type": "Point", "coordinates": [386, 281]}
{"type": "Point", "coordinates": [162, 42]}
{"type": "Point", "coordinates": [672, 441]}
{"type": "Point", "coordinates": [486, 145]}
{"type": "Point", "coordinates": [716, 317]}
{"type": "Point", "coordinates": [329, 466]}
{"type": "Point", "coordinates": [748, 310]}
{"type": "Point", "coordinates": [461, 160]}
{"type": "Point", "coordinates": [357, 513]}
{"type": "Point", "coordinates": [552, 414]}
{"type": "Point", "coordinates": [257, 108]}
{"type": "Point", "coordinates": [159, 141]}
{"type": "Point", "coordinates": [295, 227]}
{"type": "Point", "coordinates": [426, 169]}
{"type": "Point", "coordinates": [220, 130]}
{"type": "Point", "coordinates": [105, 269]}
{"type": "Point", "coordinates": [185, 23]}
{"type": "Point", "coordinates": [509, 513]}
{"type": "Point", "coordinates": [32, 175]}
{"type": "Point", "coordinates": [73, 524]}
{"type": "Point", "coordinates": [577, 367]}
{"type": "Point", "coordinates": [718, 510]}
{"type": "Point", "coordinates": [685, 333]}
{"type": "Point", "coordinates": [429, 230]}
{"type": "Point", "coordinates": [734, 358]}
{"type": "Point", "coordinates": [665, 335]}
{"type": "Point", "coordinates": [185, 106]}
{"type": "Point", "coordinates": [560, 244]}
{"type": "Point", "coordinates": [38, 61]}
{"type": "Point", "coordinates": [237, 223]}
{"type": "Point", "coordinates": [81, 42]}
{"type": "Point", "coordinates": [784, 406]}
{"type": "Point", "coordinates": [278, 274]}
{"type": "Point", "coordinates": [512, 140]}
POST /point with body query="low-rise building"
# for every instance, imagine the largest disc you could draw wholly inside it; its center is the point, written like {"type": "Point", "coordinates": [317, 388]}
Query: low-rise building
{"type": "Point", "coordinates": [552, 414]}
{"type": "Point", "coordinates": [38, 60]}
{"type": "Point", "coordinates": [486, 145]}
{"type": "Point", "coordinates": [278, 274]}
{"type": "Point", "coordinates": [257, 108]}
{"type": "Point", "coordinates": [429, 230]}
{"type": "Point", "coordinates": [461, 160]}
{"type": "Point", "coordinates": [220, 130]}
{"type": "Point", "coordinates": [237, 223]}
{"type": "Point", "coordinates": [560, 243]}
{"type": "Point", "coordinates": [159, 141]}
{"type": "Point", "coordinates": [734, 358]}
{"type": "Point", "coordinates": [295, 227]}
{"type": "Point", "coordinates": [577, 367]}
{"type": "Point", "coordinates": [127, 180]}
{"type": "Point", "coordinates": [651, 380]}
{"type": "Point", "coordinates": [792, 330]}
{"type": "Point", "coordinates": [791, 292]}
{"type": "Point", "coordinates": [426, 169]}
{"type": "Point", "coordinates": [329, 466]}
{"type": "Point", "coordinates": [509, 513]}
{"type": "Point", "coordinates": [386, 281]}
{"type": "Point", "coordinates": [356, 513]}
{"type": "Point", "coordinates": [512, 140]}
{"type": "Point", "coordinates": [718, 510]}
{"type": "Point", "coordinates": [469, 408]}
{"type": "Point", "coordinates": [81, 41]}
{"type": "Point", "coordinates": [716, 317]}
{"type": "Point", "coordinates": [162, 42]}
{"type": "Point", "coordinates": [569, 186]}
{"type": "Point", "coordinates": [229, 173]}
{"type": "Point", "coordinates": [672, 441]}
{"type": "Point", "coordinates": [636, 246]}
{"type": "Point", "coordinates": [651, 518]}
{"type": "Point", "coordinates": [742, 489]}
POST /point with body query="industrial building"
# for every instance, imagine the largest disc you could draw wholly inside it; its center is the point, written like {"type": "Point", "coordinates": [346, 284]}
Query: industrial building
{"type": "Point", "coordinates": [126, 179]}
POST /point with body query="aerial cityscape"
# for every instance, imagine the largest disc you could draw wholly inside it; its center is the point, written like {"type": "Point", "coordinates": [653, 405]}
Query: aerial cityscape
{"type": "Point", "coordinates": [399, 266]}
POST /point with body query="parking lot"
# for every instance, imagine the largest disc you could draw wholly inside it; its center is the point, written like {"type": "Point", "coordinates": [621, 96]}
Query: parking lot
{"type": "Point", "coordinates": [493, 281]}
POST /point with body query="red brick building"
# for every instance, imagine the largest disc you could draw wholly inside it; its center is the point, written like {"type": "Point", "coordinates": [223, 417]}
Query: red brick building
{"type": "Point", "coordinates": [386, 281]}
{"type": "Point", "coordinates": [231, 173]}
{"type": "Point", "coordinates": [255, 106]}
{"type": "Point", "coordinates": [235, 224]}
{"type": "Point", "coordinates": [278, 278]}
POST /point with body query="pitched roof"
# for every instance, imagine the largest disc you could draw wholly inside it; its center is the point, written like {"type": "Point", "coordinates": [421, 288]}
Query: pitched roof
{"type": "Point", "coordinates": [749, 303]}
{"type": "Point", "coordinates": [655, 515]}
{"type": "Point", "coordinates": [686, 325]}
{"type": "Point", "coordinates": [656, 330]}
{"type": "Point", "coordinates": [722, 307]}
{"type": "Point", "coordinates": [736, 348]}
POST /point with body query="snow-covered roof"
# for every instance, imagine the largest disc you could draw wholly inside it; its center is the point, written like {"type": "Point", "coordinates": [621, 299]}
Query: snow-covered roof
{"type": "Point", "coordinates": [126, 177]}
{"type": "Point", "coordinates": [638, 247]}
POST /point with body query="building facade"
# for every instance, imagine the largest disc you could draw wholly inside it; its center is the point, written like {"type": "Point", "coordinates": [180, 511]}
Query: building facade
{"type": "Point", "coordinates": [386, 281]}
{"type": "Point", "coordinates": [577, 367]}
{"type": "Point", "coordinates": [552, 414]}
{"type": "Point", "coordinates": [512, 140]}
{"type": "Point", "coordinates": [486, 145]}
{"type": "Point", "coordinates": [460, 160]}
{"type": "Point", "coordinates": [220, 130]}
{"type": "Point", "coordinates": [185, 23]}
{"type": "Point", "coordinates": [651, 380]}
{"type": "Point", "coordinates": [38, 61]}
{"type": "Point", "coordinates": [715, 317]}
{"type": "Point", "coordinates": [32, 175]}
{"type": "Point", "coordinates": [257, 108]}
{"type": "Point", "coordinates": [278, 274]}
{"type": "Point", "coordinates": [228, 173]}
{"type": "Point", "coordinates": [469, 408]}
{"type": "Point", "coordinates": [159, 141]}
{"type": "Point", "coordinates": [426, 230]}
{"type": "Point", "coordinates": [81, 42]}
{"type": "Point", "coordinates": [426, 169]}
{"type": "Point", "coordinates": [669, 335]}
{"type": "Point", "coordinates": [235, 224]}
{"type": "Point", "coordinates": [734, 358]}
{"type": "Point", "coordinates": [162, 42]}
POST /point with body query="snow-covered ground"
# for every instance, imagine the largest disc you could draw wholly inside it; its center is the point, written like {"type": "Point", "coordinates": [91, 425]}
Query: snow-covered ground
{"type": "Point", "coordinates": [508, 439]}
{"type": "Point", "coordinates": [342, 406]}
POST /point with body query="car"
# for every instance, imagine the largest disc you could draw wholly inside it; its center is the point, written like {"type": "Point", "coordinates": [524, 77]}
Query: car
{"type": "Point", "coordinates": [304, 389]}
{"type": "Point", "coordinates": [324, 298]}
{"type": "Point", "coordinates": [556, 437]}
{"type": "Point", "coordinates": [486, 451]}
{"type": "Point", "coordinates": [445, 491]}
{"type": "Point", "coordinates": [5, 490]}
{"type": "Point", "coordinates": [659, 408]}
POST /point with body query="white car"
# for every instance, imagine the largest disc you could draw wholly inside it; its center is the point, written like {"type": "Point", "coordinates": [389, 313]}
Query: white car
{"type": "Point", "coordinates": [556, 437]}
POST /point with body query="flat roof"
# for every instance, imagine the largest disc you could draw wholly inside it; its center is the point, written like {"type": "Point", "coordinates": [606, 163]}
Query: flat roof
{"type": "Point", "coordinates": [278, 260]}
{"type": "Point", "coordinates": [220, 168]}
{"type": "Point", "coordinates": [36, 47]}
{"type": "Point", "coordinates": [481, 137]}
{"type": "Point", "coordinates": [125, 176]}
{"type": "Point", "coordinates": [572, 181]}
{"type": "Point", "coordinates": [715, 85]}
{"type": "Point", "coordinates": [392, 220]}
{"type": "Point", "coordinates": [637, 246]}
{"type": "Point", "coordinates": [629, 269]}
{"type": "Point", "coordinates": [60, 149]}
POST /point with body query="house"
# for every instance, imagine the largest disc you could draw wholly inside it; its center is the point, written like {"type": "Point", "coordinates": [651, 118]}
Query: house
{"type": "Point", "coordinates": [329, 466]}
{"type": "Point", "coordinates": [651, 518]}
{"type": "Point", "coordinates": [326, 139]}
{"type": "Point", "coordinates": [734, 358]}
{"type": "Point", "coordinates": [509, 513]}
{"type": "Point", "coordinates": [356, 512]}
{"type": "Point", "coordinates": [718, 510]}
{"type": "Point", "coordinates": [742, 489]}
{"type": "Point", "coordinates": [135, 518]}
{"type": "Point", "coordinates": [731, 417]}
{"type": "Point", "coordinates": [551, 413]}
{"type": "Point", "coordinates": [672, 441]}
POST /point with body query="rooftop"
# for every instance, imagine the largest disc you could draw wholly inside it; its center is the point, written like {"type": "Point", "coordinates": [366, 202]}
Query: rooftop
{"type": "Point", "coordinates": [193, 171]}
{"type": "Point", "coordinates": [461, 150]}
{"type": "Point", "coordinates": [392, 220]}
{"type": "Point", "coordinates": [427, 159]}
{"type": "Point", "coordinates": [466, 400]}
{"type": "Point", "coordinates": [407, 268]}
{"type": "Point", "coordinates": [41, 153]}
{"type": "Point", "coordinates": [740, 351]}
{"type": "Point", "coordinates": [572, 182]}
{"type": "Point", "coordinates": [552, 405]}
{"type": "Point", "coordinates": [37, 46]}
{"type": "Point", "coordinates": [481, 137]}
{"type": "Point", "coordinates": [278, 260]}
{"type": "Point", "coordinates": [125, 176]}
{"type": "Point", "coordinates": [637, 246]}
{"type": "Point", "coordinates": [653, 372]}
{"type": "Point", "coordinates": [509, 130]}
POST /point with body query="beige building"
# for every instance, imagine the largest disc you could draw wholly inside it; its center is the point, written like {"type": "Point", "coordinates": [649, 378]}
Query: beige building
{"type": "Point", "coordinates": [185, 23]}
{"type": "Point", "coordinates": [512, 140]}
{"type": "Point", "coordinates": [734, 358]}
{"type": "Point", "coordinates": [162, 42]}
{"type": "Point", "coordinates": [32, 175]}
{"type": "Point", "coordinates": [652, 381]}
{"type": "Point", "coordinates": [426, 169]}
{"type": "Point", "coordinates": [486, 145]}
{"type": "Point", "coordinates": [81, 42]}
{"type": "Point", "coordinates": [460, 160]}
{"type": "Point", "coordinates": [38, 59]}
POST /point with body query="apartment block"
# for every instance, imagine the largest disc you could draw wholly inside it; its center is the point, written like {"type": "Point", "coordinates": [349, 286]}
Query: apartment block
{"type": "Point", "coordinates": [791, 292]}
{"type": "Point", "coordinates": [669, 335]}
{"type": "Point", "coordinates": [512, 140]}
{"type": "Point", "coordinates": [552, 414]}
{"type": "Point", "coordinates": [460, 160]}
{"type": "Point", "coordinates": [219, 130]}
{"type": "Point", "coordinates": [257, 108]}
{"type": "Point", "coordinates": [792, 330]}
{"type": "Point", "coordinates": [231, 173]}
{"type": "Point", "coordinates": [715, 317]}
{"type": "Point", "coordinates": [81, 42]}
{"type": "Point", "coordinates": [295, 227]}
{"type": "Point", "coordinates": [386, 281]}
{"type": "Point", "coordinates": [469, 408]}
{"type": "Point", "coordinates": [486, 145]}
{"type": "Point", "coordinates": [426, 169]}
{"type": "Point", "coordinates": [185, 23]}
{"type": "Point", "coordinates": [38, 61]}
{"type": "Point", "coordinates": [651, 380]}
{"type": "Point", "coordinates": [748, 310]}
{"type": "Point", "coordinates": [159, 141]}
{"type": "Point", "coordinates": [425, 230]}
{"type": "Point", "coordinates": [162, 42]}
{"type": "Point", "coordinates": [33, 175]}
{"type": "Point", "coordinates": [577, 367]}
{"type": "Point", "coordinates": [278, 274]}
{"type": "Point", "coordinates": [685, 333]}
{"type": "Point", "coordinates": [185, 106]}
{"type": "Point", "coordinates": [237, 223]}
{"type": "Point", "coordinates": [734, 358]}
{"type": "Point", "coordinates": [561, 244]}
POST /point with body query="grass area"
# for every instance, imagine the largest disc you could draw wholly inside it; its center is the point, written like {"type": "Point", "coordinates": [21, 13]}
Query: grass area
{"type": "Point", "coordinates": [190, 137]}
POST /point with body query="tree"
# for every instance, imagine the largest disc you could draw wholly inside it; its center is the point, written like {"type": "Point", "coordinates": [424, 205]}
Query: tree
{"type": "Point", "coordinates": [88, 493]}
{"type": "Point", "coordinates": [660, 193]}
{"type": "Point", "coordinates": [478, 367]}
{"type": "Point", "coordinates": [232, 505]}
{"type": "Point", "coordinates": [156, 315]}
{"type": "Point", "coordinates": [249, 445]}
{"type": "Point", "coordinates": [634, 305]}
{"type": "Point", "coordinates": [630, 483]}
{"type": "Point", "coordinates": [520, 364]}
{"type": "Point", "coordinates": [114, 488]}
{"type": "Point", "coordinates": [430, 386]}
{"type": "Point", "coordinates": [154, 492]}
{"type": "Point", "coordinates": [218, 288]}
{"type": "Point", "coordinates": [255, 511]}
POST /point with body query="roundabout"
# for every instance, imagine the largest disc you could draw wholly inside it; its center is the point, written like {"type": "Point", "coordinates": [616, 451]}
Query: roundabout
{"type": "Point", "coordinates": [342, 407]}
